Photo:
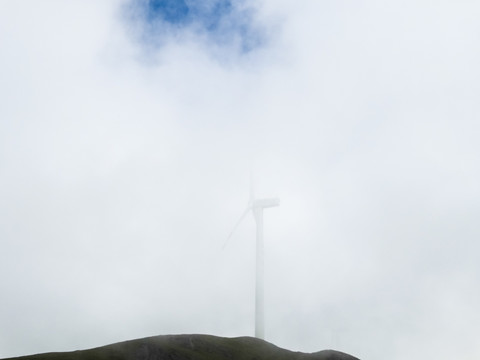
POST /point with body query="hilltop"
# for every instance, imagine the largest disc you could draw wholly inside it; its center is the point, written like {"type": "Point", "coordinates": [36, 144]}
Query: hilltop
{"type": "Point", "coordinates": [190, 347]}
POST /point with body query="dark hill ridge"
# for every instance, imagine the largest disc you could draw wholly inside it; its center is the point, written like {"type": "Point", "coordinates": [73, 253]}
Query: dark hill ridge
{"type": "Point", "coordinates": [190, 347]}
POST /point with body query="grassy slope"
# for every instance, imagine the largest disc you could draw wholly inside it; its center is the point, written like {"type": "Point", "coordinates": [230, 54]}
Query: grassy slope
{"type": "Point", "coordinates": [190, 347]}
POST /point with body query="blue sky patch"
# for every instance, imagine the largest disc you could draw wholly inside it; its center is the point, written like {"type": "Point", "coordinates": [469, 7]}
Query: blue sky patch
{"type": "Point", "coordinates": [171, 11]}
{"type": "Point", "coordinates": [222, 22]}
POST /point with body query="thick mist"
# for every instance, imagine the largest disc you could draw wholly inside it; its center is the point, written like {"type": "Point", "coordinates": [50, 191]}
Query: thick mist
{"type": "Point", "coordinates": [125, 153]}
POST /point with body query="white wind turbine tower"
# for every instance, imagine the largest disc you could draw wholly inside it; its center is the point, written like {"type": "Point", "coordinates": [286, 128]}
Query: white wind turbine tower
{"type": "Point", "coordinates": [257, 206]}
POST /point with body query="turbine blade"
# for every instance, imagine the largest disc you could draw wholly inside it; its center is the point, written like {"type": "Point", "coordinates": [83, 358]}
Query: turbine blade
{"type": "Point", "coordinates": [236, 226]}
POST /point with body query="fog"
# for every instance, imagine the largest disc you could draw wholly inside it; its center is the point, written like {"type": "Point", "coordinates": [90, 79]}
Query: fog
{"type": "Point", "coordinates": [125, 151]}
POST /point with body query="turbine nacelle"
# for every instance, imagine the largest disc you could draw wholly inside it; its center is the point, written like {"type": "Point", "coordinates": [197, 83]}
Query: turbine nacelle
{"type": "Point", "coordinates": [264, 203]}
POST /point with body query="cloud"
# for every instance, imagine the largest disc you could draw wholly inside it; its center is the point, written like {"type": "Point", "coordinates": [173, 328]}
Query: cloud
{"type": "Point", "coordinates": [120, 177]}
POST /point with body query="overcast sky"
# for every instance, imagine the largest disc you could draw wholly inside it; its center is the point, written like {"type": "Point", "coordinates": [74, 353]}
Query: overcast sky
{"type": "Point", "coordinates": [128, 130]}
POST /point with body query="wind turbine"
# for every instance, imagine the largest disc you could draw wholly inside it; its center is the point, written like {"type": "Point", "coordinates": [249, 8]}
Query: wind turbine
{"type": "Point", "coordinates": [256, 206]}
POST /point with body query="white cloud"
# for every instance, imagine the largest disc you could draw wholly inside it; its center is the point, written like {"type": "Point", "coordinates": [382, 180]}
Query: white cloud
{"type": "Point", "coordinates": [119, 180]}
